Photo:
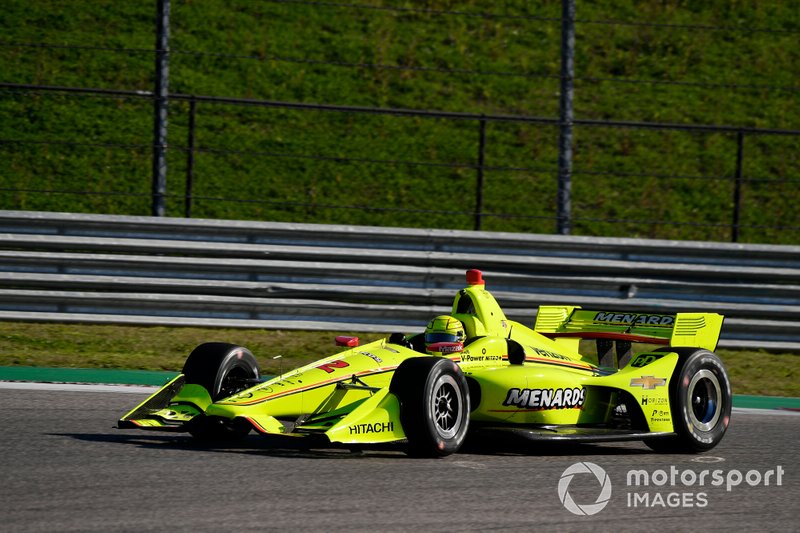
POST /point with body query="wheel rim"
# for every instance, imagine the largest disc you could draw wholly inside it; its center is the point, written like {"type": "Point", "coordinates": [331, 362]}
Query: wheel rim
{"type": "Point", "coordinates": [233, 382]}
{"type": "Point", "coordinates": [704, 400]}
{"type": "Point", "coordinates": [446, 407]}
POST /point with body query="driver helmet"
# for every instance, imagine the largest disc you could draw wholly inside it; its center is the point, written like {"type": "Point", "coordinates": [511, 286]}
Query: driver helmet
{"type": "Point", "coordinates": [444, 328]}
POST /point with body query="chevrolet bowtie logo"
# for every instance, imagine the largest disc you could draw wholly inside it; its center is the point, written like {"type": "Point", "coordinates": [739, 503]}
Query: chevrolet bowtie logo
{"type": "Point", "coordinates": [648, 382]}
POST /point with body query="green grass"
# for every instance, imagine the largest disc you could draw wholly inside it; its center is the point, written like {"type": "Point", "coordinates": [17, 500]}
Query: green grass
{"type": "Point", "coordinates": [508, 64]}
{"type": "Point", "coordinates": [152, 348]}
{"type": "Point", "coordinates": [161, 348]}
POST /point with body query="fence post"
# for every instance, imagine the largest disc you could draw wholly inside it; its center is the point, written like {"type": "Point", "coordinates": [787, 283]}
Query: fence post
{"type": "Point", "coordinates": [479, 184]}
{"type": "Point", "coordinates": [160, 95]}
{"type": "Point", "coordinates": [564, 196]}
{"type": "Point", "coordinates": [190, 157]}
{"type": "Point", "coordinates": [737, 188]}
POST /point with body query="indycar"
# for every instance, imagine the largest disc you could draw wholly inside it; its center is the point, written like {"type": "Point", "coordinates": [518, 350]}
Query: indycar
{"type": "Point", "coordinates": [504, 379]}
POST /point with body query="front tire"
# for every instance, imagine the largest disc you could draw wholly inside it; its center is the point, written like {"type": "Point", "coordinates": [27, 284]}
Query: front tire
{"type": "Point", "coordinates": [434, 405]}
{"type": "Point", "coordinates": [701, 401]}
{"type": "Point", "coordinates": [223, 370]}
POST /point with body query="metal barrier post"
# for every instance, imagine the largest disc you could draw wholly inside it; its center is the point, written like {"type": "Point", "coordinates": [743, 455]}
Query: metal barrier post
{"type": "Point", "coordinates": [190, 157]}
{"type": "Point", "coordinates": [564, 196]}
{"type": "Point", "coordinates": [479, 184]}
{"type": "Point", "coordinates": [737, 189]}
{"type": "Point", "coordinates": [160, 109]}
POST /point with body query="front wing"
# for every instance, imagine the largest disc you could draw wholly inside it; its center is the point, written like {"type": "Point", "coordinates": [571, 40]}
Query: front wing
{"type": "Point", "coordinates": [177, 406]}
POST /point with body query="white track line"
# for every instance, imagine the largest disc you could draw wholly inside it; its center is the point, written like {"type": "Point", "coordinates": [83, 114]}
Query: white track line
{"type": "Point", "coordinates": [754, 411]}
{"type": "Point", "coordinates": [77, 387]}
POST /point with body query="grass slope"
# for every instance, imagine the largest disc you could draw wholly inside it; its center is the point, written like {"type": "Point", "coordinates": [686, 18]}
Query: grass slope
{"type": "Point", "coordinates": [265, 161]}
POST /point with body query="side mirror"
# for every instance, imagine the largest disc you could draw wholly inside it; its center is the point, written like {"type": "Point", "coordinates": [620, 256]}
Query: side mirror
{"type": "Point", "coordinates": [397, 338]}
{"type": "Point", "coordinates": [349, 342]}
{"type": "Point", "coordinates": [445, 347]}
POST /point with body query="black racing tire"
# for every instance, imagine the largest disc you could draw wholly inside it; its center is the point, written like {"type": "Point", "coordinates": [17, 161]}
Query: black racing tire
{"type": "Point", "coordinates": [700, 399]}
{"type": "Point", "coordinates": [434, 405]}
{"type": "Point", "coordinates": [223, 370]}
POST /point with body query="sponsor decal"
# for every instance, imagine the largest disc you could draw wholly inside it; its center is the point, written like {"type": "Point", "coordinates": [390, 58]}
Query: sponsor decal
{"type": "Point", "coordinates": [377, 427]}
{"type": "Point", "coordinates": [659, 415]}
{"type": "Point", "coordinates": [551, 355]}
{"type": "Point", "coordinates": [635, 319]}
{"type": "Point", "coordinates": [546, 398]}
{"type": "Point", "coordinates": [466, 357]}
{"type": "Point", "coordinates": [653, 400]}
{"type": "Point", "coordinates": [450, 347]}
{"type": "Point", "coordinates": [648, 382]}
{"type": "Point", "coordinates": [331, 366]}
{"type": "Point", "coordinates": [645, 359]}
{"type": "Point", "coordinates": [372, 356]}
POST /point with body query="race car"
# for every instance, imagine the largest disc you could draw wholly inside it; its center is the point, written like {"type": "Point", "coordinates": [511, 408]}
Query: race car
{"type": "Point", "coordinates": [474, 371]}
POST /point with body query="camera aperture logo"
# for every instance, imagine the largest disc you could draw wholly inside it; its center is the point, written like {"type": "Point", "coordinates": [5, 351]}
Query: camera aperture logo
{"type": "Point", "coordinates": [586, 509]}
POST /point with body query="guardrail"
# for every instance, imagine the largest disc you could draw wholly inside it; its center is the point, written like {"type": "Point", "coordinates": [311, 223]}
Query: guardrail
{"type": "Point", "coordinates": [149, 270]}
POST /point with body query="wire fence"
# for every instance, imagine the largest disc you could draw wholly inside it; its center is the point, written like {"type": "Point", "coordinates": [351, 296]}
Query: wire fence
{"type": "Point", "coordinates": [391, 165]}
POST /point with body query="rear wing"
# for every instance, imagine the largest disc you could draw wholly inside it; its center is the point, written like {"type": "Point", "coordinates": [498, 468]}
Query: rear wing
{"type": "Point", "coordinates": [698, 330]}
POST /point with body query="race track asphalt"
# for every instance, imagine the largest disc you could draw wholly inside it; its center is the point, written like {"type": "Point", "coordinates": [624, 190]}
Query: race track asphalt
{"type": "Point", "coordinates": [66, 468]}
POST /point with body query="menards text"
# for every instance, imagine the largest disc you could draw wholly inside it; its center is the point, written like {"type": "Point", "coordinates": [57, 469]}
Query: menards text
{"type": "Point", "coordinates": [546, 398]}
{"type": "Point", "coordinates": [642, 320]}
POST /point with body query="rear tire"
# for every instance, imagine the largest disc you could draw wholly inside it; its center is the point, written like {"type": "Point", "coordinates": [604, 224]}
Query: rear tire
{"type": "Point", "coordinates": [700, 399]}
{"type": "Point", "coordinates": [434, 405]}
{"type": "Point", "coordinates": [223, 370]}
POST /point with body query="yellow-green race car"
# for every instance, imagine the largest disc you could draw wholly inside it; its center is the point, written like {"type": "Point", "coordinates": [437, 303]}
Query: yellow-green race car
{"type": "Point", "coordinates": [474, 371]}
